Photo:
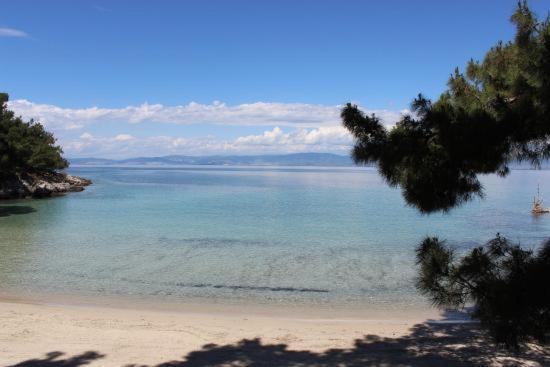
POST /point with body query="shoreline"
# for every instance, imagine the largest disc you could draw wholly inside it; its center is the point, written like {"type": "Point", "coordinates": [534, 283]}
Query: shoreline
{"type": "Point", "coordinates": [306, 311]}
{"type": "Point", "coordinates": [47, 334]}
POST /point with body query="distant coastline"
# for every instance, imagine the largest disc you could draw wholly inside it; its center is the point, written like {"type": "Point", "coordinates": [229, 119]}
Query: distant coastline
{"type": "Point", "coordinates": [295, 159]}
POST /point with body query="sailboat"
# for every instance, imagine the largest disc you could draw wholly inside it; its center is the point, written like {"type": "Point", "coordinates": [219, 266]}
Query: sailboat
{"type": "Point", "coordinates": [537, 205]}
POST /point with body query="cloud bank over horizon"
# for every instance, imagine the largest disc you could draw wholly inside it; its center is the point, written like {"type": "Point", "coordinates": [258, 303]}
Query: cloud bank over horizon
{"type": "Point", "coordinates": [156, 129]}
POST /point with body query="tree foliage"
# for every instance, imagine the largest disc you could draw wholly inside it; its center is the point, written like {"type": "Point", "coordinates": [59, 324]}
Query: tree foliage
{"type": "Point", "coordinates": [26, 146]}
{"type": "Point", "coordinates": [495, 112]}
{"type": "Point", "coordinates": [508, 285]}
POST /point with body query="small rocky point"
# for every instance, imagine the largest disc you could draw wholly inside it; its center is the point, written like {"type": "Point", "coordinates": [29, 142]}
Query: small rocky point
{"type": "Point", "coordinates": [40, 185]}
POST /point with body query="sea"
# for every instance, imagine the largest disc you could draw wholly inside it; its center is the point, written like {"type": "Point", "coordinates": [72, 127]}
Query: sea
{"type": "Point", "coordinates": [255, 235]}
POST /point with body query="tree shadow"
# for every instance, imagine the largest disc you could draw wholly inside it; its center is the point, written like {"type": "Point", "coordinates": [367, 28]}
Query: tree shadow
{"type": "Point", "coordinates": [440, 344]}
{"type": "Point", "coordinates": [433, 343]}
{"type": "Point", "coordinates": [450, 341]}
{"type": "Point", "coordinates": [52, 360]}
{"type": "Point", "coordinates": [7, 210]}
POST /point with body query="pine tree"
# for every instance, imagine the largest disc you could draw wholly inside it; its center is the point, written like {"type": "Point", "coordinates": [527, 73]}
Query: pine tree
{"type": "Point", "coordinates": [26, 146]}
{"type": "Point", "coordinates": [496, 112]}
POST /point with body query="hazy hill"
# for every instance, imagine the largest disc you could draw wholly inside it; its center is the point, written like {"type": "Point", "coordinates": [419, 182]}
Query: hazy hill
{"type": "Point", "coordinates": [298, 159]}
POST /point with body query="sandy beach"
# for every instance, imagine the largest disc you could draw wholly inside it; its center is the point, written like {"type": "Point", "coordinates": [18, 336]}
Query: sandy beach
{"type": "Point", "coordinates": [39, 333]}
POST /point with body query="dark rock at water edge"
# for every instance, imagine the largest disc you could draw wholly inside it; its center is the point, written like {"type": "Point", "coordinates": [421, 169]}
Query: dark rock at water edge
{"type": "Point", "coordinates": [40, 184]}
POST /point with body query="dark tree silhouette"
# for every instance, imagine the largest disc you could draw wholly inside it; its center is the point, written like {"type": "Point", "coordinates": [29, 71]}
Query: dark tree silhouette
{"type": "Point", "coordinates": [496, 112]}
{"type": "Point", "coordinates": [508, 284]}
{"type": "Point", "coordinates": [26, 146]}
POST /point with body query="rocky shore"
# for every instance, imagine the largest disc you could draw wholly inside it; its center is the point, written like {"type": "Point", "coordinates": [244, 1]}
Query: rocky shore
{"type": "Point", "coordinates": [40, 184]}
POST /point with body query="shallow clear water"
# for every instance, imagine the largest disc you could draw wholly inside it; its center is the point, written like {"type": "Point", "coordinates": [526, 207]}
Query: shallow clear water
{"type": "Point", "coordinates": [263, 235]}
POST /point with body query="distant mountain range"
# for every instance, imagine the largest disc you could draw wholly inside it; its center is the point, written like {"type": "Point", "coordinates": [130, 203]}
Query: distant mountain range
{"type": "Point", "coordinates": [297, 159]}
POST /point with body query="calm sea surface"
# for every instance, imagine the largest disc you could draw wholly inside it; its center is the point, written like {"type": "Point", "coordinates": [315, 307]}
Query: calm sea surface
{"type": "Point", "coordinates": [261, 235]}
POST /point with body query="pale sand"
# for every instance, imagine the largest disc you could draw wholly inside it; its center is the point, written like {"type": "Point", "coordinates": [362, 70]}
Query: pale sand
{"type": "Point", "coordinates": [32, 332]}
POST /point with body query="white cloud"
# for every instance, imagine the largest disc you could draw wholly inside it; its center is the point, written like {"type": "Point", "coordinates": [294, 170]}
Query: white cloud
{"type": "Point", "coordinates": [333, 139]}
{"type": "Point", "coordinates": [257, 114]}
{"type": "Point", "coordinates": [329, 136]}
{"type": "Point", "coordinates": [124, 137]}
{"type": "Point", "coordinates": [289, 127]}
{"type": "Point", "coordinates": [267, 138]}
{"type": "Point", "coordinates": [11, 32]}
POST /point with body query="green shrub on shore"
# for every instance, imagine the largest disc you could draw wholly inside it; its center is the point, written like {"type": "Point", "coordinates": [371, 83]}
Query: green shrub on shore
{"type": "Point", "coordinates": [26, 146]}
{"type": "Point", "coordinates": [495, 113]}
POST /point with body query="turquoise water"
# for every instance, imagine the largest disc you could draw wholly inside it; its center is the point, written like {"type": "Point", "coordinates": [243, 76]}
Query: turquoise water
{"type": "Point", "coordinates": [261, 235]}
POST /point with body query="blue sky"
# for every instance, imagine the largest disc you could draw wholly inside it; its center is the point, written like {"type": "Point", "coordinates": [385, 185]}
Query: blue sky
{"type": "Point", "coordinates": [125, 78]}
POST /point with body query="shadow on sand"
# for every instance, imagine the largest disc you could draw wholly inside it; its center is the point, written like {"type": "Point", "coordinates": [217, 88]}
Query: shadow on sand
{"type": "Point", "coordinates": [432, 343]}
{"type": "Point", "coordinates": [7, 210]}
{"type": "Point", "coordinates": [53, 359]}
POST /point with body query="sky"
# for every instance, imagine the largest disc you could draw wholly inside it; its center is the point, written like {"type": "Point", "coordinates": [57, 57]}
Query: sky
{"type": "Point", "coordinates": [120, 79]}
